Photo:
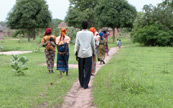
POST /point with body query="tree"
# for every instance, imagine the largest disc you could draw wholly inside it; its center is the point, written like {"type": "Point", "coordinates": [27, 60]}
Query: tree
{"type": "Point", "coordinates": [80, 10]}
{"type": "Point", "coordinates": [155, 25]}
{"type": "Point", "coordinates": [115, 14]}
{"type": "Point", "coordinates": [29, 15]}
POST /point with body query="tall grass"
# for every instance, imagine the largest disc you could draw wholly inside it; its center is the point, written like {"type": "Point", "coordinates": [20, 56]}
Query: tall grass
{"type": "Point", "coordinates": [37, 86]}
{"type": "Point", "coordinates": [136, 77]}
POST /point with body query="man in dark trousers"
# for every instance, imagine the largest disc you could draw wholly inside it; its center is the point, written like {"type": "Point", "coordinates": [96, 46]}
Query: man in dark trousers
{"type": "Point", "coordinates": [84, 49]}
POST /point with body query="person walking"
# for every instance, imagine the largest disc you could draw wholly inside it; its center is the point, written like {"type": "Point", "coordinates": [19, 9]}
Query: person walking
{"type": "Point", "coordinates": [106, 35]}
{"type": "Point", "coordinates": [48, 41]}
{"type": "Point", "coordinates": [62, 42]}
{"type": "Point", "coordinates": [101, 49]}
{"type": "Point", "coordinates": [84, 50]}
{"type": "Point", "coordinates": [119, 44]}
{"type": "Point", "coordinates": [93, 69]}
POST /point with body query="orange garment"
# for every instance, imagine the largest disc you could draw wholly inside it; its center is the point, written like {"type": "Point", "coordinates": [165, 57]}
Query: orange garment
{"type": "Point", "coordinates": [63, 33]}
{"type": "Point", "coordinates": [63, 38]}
{"type": "Point", "coordinates": [92, 29]}
{"type": "Point", "coordinates": [47, 38]}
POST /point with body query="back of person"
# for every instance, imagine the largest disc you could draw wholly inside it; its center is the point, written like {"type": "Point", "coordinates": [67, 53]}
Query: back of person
{"type": "Point", "coordinates": [49, 46]}
{"type": "Point", "coordinates": [85, 38]}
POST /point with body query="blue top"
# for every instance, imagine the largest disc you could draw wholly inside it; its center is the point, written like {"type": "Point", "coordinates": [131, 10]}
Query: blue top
{"type": "Point", "coordinates": [119, 43]}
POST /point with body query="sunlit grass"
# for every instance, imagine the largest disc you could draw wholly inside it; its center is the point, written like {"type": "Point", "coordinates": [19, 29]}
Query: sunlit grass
{"type": "Point", "coordinates": [136, 77]}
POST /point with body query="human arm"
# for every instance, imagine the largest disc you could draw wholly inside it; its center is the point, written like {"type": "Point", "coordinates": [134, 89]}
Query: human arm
{"type": "Point", "coordinates": [93, 44]}
{"type": "Point", "coordinates": [76, 48]}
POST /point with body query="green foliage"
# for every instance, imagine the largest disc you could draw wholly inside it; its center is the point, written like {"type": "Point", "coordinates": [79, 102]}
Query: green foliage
{"type": "Point", "coordinates": [115, 14]}
{"type": "Point", "coordinates": [154, 26]}
{"type": "Point", "coordinates": [55, 22]}
{"type": "Point", "coordinates": [153, 35]}
{"type": "Point", "coordinates": [19, 64]}
{"type": "Point", "coordinates": [71, 32]}
{"type": "Point", "coordinates": [80, 10]}
{"type": "Point", "coordinates": [29, 14]}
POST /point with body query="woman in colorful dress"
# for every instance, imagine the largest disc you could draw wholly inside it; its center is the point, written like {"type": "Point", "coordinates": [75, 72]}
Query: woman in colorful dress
{"type": "Point", "coordinates": [62, 42]}
{"type": "Point", "coordinates": [50, 53]}
{"type": "Point", "coordinates": [93, 30]}
{"type": "Point", "coordinates": [106, 35]}
{"type": "Point", "coordinates": [101, 48]}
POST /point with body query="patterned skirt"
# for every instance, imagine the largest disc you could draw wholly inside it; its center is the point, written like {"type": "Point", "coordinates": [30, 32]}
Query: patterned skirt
{"type": "Point", "coordinates": [50, 56]}
{"type": "Point", "coordinates": [106, 48]}
{"type": "Point", "coordinates": [93, 64]}
{"type": "Point", "coordinates": [62, 58]}
{"type": "Point", "coordinates": [101, 52]}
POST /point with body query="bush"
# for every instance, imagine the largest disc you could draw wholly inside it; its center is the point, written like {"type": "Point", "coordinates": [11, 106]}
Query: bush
{"type": "Point", "coordinates": [71, 32]}
{"type": "Point", "coordinates": [19, 64]}
{"type": "Point", "coordinates": [152, 35]}
{"type": "Point", "coordinates": [154, 26]}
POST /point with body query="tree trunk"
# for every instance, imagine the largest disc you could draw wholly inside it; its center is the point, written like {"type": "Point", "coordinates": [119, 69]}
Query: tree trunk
{"type": "Point", "coordinates": [29, 34]}
{"type": "Point", "coordinates": [113, 34]}
{"type": "Point", "coordinates": [34, 34]}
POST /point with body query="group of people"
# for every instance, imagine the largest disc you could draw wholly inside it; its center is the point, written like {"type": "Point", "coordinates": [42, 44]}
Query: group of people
{"type": "Point", "coordinates": [88, 44]}
{"type": "Point", "coordinates": [50, 42]}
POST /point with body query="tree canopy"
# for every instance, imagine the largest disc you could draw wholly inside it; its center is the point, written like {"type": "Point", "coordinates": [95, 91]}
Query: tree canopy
{"type": "Point", "coordinates": [29, 14]}
{"type": "Point", "coordinates": [115, 14]}
{"type": "Point", "coordinates": [155, 25]}
{"type": "Point", "coordinates": [80, 10]}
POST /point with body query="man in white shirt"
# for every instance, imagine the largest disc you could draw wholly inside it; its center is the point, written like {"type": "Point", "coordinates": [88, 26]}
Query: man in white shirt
{"type": "Point", "coordinates": [84, 49]}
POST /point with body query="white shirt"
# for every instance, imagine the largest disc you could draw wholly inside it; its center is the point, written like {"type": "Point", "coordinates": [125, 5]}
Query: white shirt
{"type": "Point", "coordinates": [85, 44]}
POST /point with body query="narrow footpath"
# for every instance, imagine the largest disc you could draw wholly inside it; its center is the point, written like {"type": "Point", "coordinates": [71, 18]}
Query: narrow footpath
{"type": "Point", "coordinates": [77, 97]}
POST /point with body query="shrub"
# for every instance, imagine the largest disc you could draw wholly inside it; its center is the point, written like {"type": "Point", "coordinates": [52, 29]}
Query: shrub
{"type": "Point", "coordinates": [71, 32]}
{"type": "Point", "coordinates": [19, 64]}
{"type": "Point", "coordinates": [152, 35]}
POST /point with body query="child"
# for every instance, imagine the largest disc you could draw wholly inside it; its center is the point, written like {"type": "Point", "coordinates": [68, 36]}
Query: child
{"type": "Point", "coordinates": [119, 43]}
{"type": "Point", "coordinates": [50, 44]}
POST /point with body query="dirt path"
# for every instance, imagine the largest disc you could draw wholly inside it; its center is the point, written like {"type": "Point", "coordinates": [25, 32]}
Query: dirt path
{"type": "Point", "coordinates": [15, 52]}
{"type": "Point", "coordinates": [78, 97]}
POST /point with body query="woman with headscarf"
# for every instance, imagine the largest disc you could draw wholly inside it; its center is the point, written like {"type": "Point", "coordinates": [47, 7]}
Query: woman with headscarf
{"type": "Point", "coordinates": [101, 48]}
{"type": "Point", "coordinates": [62, 42]}
{"type": "Point", "coordinates": [93, 30]}
{"type": "Point", "coordinates": [106, 35]}
{"type": "Point", "coordinates": [50, 53]}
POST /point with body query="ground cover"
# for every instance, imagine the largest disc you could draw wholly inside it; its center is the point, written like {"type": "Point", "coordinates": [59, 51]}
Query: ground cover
{"type": "Point", "coordinates": [136, 77]}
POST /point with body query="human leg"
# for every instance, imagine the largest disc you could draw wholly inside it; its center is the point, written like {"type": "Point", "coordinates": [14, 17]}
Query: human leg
{"type": "Point", "coordinates": [87, 73]}
{"type": "Point", "coordinates": [81, 71]}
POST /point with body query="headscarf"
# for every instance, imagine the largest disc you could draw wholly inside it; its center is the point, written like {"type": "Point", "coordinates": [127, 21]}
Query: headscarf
{"type": "Point", "coordinates": [63, 33]}
{"type": "Point", "coordinates": [48, 31]}
{"type": "Point", "coordinates": [101, 35]}
{"type": "Point", "coordinates": [92, 29]}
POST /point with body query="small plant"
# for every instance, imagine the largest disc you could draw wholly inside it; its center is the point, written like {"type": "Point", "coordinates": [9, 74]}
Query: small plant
{"type": "Point", "coordinates": [38, 49]}
{"type": "Point", "coordinates": [1, 48]}
{"type": "Point", "coordinates": [19, 64]}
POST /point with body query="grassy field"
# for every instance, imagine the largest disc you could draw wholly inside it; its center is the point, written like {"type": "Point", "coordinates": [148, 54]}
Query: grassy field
{"type": "Point", "coordinates": [35, 88]}
{"type": "Point", "coordinates": [136, 77]}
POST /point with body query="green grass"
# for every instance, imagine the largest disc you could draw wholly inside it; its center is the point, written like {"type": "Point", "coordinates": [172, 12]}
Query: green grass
{"type": "Point", "coordinates": [136, 77]}
{"type": "Point", "coordinates": [33, 89]}
{"type": "Point", "coordinates": [25, 91]}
